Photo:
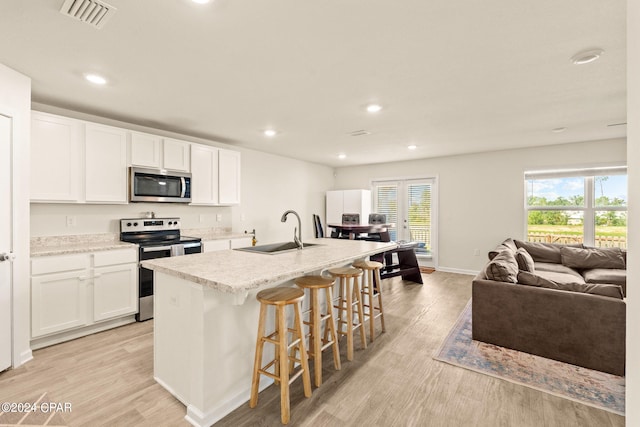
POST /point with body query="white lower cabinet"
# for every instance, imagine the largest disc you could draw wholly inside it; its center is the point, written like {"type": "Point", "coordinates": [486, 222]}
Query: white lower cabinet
{"type": "Point", "coordinates": [82, 291]}
{"type": "Point", "coordinates": [58, 302]}
{"type": "Point", "coordinates": [113, 293]}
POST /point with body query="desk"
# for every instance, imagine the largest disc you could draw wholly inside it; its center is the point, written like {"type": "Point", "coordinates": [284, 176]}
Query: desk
{"type": "Point", "coordinates": [356, 229]}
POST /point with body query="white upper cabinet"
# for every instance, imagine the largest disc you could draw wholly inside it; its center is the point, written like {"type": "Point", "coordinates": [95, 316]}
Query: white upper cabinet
{"type": "Point", "coordinates": [105, 164]}
{"type": "Point", "coordinates": [204, 175]}
{"type": "Point", "coordinates": [229, 177]}
{"type": "Point", "coordinates": [348, 201]}
{"type": "Point", "coordinates": [176, 155]}
{"type": "Point", "coordinates": [146, 150]}
{"type": "Point", "coordinates": [56, 144]}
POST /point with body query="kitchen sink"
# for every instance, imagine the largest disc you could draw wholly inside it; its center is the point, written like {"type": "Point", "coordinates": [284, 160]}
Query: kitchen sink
{"type": "Point", "coordinates": [276, 248]}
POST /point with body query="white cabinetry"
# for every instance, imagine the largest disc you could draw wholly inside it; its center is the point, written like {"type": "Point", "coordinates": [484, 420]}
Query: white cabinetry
{"type": "Point", "coordinates": [55, 158]}
{"type": "Point", "coordinates": [229, 177]}
{"type": "Point", "coordinates": [175, 155]}
{"type": "Point", "coordinates": [58, 293]}
{"type": "Point", "coordinates": [204, 175]}
{"type": "Point", "coordinates": [77, 161]}
{"type": "Point", "coordinates": [152, 151]}
{"type": "Point", "coordinates": [105, 164]}
{"type": "Point", "coordinates": [215, 176]}
{"type": "Point", "coordinates": [223, 244]}
{"type": "Point", "coordinates": [115, 290]}
{"type": "Point", "coordinates": [348, 201]}
{"type": "Point", "coordinates": [75, 295]}
{"type": "Point", "coordinates": [146, 150]}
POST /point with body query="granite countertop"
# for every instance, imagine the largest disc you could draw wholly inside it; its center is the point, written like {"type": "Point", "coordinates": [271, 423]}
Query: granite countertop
{"type": "Point", "coordinates": [75, 244]}
{"type": "Point", "coordinates": [235, 272]}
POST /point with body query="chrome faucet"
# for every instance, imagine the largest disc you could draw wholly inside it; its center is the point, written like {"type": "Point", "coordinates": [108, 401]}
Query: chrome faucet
{"type": "Point", "coordinates": [297, 232]}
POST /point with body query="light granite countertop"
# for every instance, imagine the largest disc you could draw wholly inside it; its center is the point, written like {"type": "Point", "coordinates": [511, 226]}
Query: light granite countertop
{"type": "Point", "coordinates": [75, 244]}
{"type": "Point", "coordinates": [235, 272]}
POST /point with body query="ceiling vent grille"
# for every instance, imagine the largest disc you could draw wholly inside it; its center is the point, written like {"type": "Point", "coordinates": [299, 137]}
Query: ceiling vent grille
{"type": "Point", "coordinates": [93, 12]}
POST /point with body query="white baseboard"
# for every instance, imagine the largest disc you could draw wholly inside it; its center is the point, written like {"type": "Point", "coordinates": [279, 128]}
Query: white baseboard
{"type": "Point", "coordinates": [57, 338]}
{"type": "Point", "coordinates": [458, 270]}
{"type": "Point", "coordinates": [25, 356]}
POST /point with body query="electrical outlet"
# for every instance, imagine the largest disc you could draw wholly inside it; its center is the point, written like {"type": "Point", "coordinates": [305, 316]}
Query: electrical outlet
{"type": "Point", "coordinates": [476, 252]}
{"type": "Point", "coordinates": [219, 217]}
{"type": "Point", "coordinates": [201, 218]}
{"type": "Point", "coordinates": [71, 221]}
{"type": "Point", "coordinates": [242, 217]}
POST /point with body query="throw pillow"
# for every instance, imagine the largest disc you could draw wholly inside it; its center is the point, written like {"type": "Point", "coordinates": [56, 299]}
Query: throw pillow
{"type": "Point", "coordinates": [592, 258]}
{"type": "Point", "coordinates": [507, 244]}
{"type": "Point", "coordinates": [607, 290]}
{"type": "Point", "coordinates": [525, 262]}
{"type": "Point", "coordinates": [503, 267]}
{"type": "Point", "coordinates": [544, 252]}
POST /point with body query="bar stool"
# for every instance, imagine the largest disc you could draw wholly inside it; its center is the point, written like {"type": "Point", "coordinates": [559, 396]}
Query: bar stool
{"type": "Point", "coordinates": [316, 342]}
{"type": "Point", "coordinates": [280, 298]}
{"type": "Point", "coordinates": [371, 290]}
{"type": "Point", "coordinates": [350, 295]}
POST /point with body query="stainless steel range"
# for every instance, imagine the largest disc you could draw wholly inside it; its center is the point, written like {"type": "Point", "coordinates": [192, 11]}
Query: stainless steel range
{"type": "Point", "coordinates": [157, 238]}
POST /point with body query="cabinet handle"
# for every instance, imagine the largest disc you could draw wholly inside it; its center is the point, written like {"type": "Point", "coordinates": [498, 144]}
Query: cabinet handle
{"type": "Point", "coordinates": [82, 277]}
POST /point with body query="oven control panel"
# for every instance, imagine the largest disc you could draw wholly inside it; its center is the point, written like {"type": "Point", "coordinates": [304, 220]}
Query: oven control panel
{"type": "Point", "coordinates": [149, 224]}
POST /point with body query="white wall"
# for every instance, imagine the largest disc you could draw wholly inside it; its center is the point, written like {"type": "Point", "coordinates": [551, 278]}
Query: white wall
{"type": "Point", "coordinates": [633, 257]}
{"type": "Point", "coordinates": [270, 185]}
{"type": "Point", "coordinates": [273, 184]}
{"type": "Point", "coordinates": [481, 196]}
{"type": "Point", "coordinates": [15, 98]}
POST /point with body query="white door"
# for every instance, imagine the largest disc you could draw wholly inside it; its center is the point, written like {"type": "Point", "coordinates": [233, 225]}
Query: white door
{"type": "Point", "coordinates": [5, 242]}
{"type": "Point", "coordinates": [410, 204]}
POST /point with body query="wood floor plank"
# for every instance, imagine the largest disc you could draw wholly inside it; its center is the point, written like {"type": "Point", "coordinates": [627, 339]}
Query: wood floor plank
{"type": "Point", "coordinates": [108, 378]}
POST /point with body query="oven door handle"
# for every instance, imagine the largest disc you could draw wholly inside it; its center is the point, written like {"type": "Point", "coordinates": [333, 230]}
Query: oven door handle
{"type": "Point", "coordinates": [168, 248]}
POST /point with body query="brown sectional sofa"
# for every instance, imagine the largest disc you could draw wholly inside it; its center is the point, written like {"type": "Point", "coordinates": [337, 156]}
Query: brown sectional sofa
{"type": "Point", "coordinates": [569, 306]}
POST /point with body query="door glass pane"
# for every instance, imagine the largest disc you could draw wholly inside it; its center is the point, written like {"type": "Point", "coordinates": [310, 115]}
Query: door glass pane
{"type": "Point", "coordinates": [419, 223]}
{"type": "Point", "coordinates": [610, 190]}
{"type": "Point", "coordinates": [555, 226]}
{"type": "Point", "coordinates": [556, 192]}
{"type": "Point", "coordinates": [611, 229]}
{"type": "Point", "coordinates": [386, 202]}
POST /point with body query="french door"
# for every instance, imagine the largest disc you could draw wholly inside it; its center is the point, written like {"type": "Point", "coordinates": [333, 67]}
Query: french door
{"type": "Point", "coordinates": [410, 205]}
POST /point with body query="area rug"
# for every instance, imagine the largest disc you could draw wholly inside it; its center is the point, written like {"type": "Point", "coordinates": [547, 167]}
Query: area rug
{"type": "Point", "coordinates": [593, 388]}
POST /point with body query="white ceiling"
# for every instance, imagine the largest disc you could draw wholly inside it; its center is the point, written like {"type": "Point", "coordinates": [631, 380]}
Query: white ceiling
{"type": "Point", "coordinates": [453, 76]}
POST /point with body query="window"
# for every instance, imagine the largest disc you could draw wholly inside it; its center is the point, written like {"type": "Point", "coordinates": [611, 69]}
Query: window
{"type": "Point", "coordinates": [582, 206]}
{"type": "Point", "coordinates": [408, 205]}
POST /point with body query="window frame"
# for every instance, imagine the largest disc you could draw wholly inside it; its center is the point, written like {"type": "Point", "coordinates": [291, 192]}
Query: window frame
{"type": "Point", "coordinates": [589, 209]}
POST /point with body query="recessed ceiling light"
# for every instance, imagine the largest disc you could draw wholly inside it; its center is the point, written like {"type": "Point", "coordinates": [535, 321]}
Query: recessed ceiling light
{"type": "Point", "coordinates": [412, 147]}
{"type": "Point", "coordinates": [586, 56]}
{"type": "Point", "coordinates": [201, 1]}
{"type": "Point", "coordinates": [558, 130]}
{"type": "Point", "coordinates": [270, 133]}
{"type": "Point", "coordinates": [374, 108]}
{"type": "Point", "coordinates": [95, 79]}
{"type": "Point", "coordinates": [342, 156]}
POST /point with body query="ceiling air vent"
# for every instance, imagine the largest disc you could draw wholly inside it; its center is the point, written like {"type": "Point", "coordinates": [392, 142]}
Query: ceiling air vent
{"type": "Point", "coordinates": [92, 12]}
{"type": "Point", "coordinates": [359, 132]}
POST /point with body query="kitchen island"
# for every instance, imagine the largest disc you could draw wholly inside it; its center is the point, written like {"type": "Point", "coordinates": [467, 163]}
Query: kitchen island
{"type": "Point", "coordinates": [206, 318]}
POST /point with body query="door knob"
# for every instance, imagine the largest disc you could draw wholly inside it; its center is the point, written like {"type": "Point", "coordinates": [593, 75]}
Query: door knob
{"type": "Point", "coordinates": [7, 257]}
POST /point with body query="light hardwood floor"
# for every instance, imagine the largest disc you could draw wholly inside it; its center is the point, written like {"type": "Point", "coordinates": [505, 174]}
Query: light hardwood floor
{"type": "Point", "coordinates": [395, 382]}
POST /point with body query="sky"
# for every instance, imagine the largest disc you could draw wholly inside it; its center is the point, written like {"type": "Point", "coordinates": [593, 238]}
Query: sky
{"type": "Point", "coordinates": [551, 189]}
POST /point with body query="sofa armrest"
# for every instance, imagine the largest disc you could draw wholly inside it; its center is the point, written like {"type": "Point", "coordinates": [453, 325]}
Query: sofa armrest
{"type": "Point", "coordinates": [581, 329]}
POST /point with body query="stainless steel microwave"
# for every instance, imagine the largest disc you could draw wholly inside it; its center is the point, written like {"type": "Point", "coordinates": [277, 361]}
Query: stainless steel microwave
{"type": "Point", "coordinates": [159, 186]}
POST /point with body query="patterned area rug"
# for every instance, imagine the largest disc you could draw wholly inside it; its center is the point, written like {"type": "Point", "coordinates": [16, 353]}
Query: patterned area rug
{"type": "Point", "coordinates": [594, 388]}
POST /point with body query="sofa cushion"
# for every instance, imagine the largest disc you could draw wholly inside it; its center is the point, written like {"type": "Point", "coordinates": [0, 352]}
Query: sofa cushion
{"type": "Point", "coordinates": [592, 258]}
{"type": "Point", "coordinates": [607, 290]}
{"type": "Point", "coordinates": [525, 262]}
{"type": "Point", "coordinates": [544, 252]}
{"type": "Point", "coordinates": [561, 277]}
{"type": "Point", "coordinates": [503, 267]}
{"type": "Point", "coordinates": [556, 268]}
{"type": "Point", "coordinates": [614, 276]}
{"type": "Point", "coordinates": [507, 244]}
